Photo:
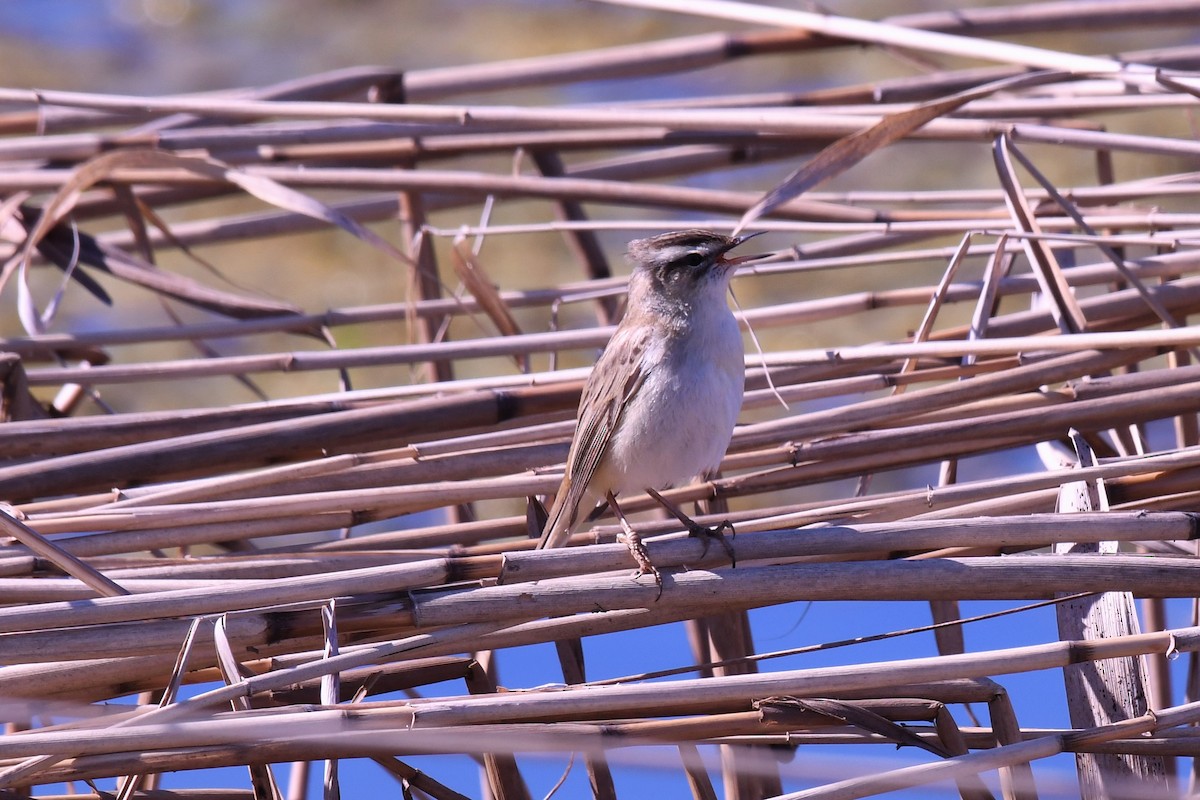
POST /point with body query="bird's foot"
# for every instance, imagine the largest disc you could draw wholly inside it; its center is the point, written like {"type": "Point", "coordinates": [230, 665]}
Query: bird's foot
{"type": "Point", "coordinates": [707, 535]}
{"type": "Point", "coordinates": [697, 530]}
{"type": "Point", "coordinates": [633, 541]}
{"type": "Point", "coordinates": [637, 549]}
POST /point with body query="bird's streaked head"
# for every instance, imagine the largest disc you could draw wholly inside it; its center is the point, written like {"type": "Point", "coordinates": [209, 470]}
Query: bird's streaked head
{"type": "Point", "coordinates": [682, 264]}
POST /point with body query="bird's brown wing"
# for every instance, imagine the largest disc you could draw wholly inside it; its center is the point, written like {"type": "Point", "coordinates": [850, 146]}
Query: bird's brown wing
{"type": "Point", "coordinates": [617, 376]}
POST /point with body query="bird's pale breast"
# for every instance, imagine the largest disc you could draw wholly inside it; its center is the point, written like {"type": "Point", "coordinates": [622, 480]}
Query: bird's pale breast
{"type": "Point", "coordinates": [681, 420]}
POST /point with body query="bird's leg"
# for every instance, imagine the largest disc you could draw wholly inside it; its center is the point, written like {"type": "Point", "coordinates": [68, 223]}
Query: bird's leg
{"type": "Point", "coordinates": [696, 529]}
{"type": "Point", "coordinates": [633, 540]}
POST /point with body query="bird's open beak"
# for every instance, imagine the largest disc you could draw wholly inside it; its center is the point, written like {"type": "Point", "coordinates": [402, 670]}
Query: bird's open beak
{"type": "Point", "coordinates": [743, 259]}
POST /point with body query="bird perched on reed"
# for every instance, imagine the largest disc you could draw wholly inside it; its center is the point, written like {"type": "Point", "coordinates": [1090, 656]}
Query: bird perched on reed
{"type": "Point", "coordinates": [660, 405]}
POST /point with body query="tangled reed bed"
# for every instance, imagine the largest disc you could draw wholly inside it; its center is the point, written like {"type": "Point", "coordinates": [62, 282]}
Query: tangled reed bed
{"type": "Point", "coordinates": [965, 352]}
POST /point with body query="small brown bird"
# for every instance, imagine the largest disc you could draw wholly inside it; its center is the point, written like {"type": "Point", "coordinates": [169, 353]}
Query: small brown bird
{"type": "Point", "coordinates": [660, 405]}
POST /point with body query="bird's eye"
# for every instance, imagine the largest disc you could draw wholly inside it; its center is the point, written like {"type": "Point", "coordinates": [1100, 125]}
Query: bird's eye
{"type": "Point", "coordinates": [693, 259]}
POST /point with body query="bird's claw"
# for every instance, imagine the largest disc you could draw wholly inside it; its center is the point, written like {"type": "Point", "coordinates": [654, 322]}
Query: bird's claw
{"type": "Point", "coordinates": [707, 535]}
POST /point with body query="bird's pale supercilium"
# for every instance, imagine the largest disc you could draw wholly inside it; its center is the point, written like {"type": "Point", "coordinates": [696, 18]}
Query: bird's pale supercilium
{"type": "Point", "coordinates": [660, 405]}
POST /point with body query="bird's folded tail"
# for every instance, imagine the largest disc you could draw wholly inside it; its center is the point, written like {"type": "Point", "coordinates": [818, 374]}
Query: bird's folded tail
{"type": "Point", "coordinates": [559, 523]}
{"type": "Point", "coordinates": [569, 510]}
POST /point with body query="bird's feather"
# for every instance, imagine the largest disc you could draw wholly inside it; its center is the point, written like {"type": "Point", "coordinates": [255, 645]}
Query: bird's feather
{"type": "Point", "coordinates": [617, 376]}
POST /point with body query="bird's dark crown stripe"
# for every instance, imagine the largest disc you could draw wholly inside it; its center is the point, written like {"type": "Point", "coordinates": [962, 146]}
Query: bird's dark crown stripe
{"type": "Point", "coordinates": [688, 238]}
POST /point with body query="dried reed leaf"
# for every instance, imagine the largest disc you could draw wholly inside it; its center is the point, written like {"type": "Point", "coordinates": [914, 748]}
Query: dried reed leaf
{"type": "Point", "coordinates": [160, 224]}
{"type": "Point", "coordinates": [850, 150]}
{"type": "Point", "coordinates": [277, 194]}
{"type": "Point", "coordinates": [776, 707]}
{"type": "Point", "coordinates": [55, 243]}
{"type": "Point", "coordinates": [99, 168]}
{"type": "Point", "coordinates": [134, 211]}
{"type": "Point", "coordinates": [485, 292]}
